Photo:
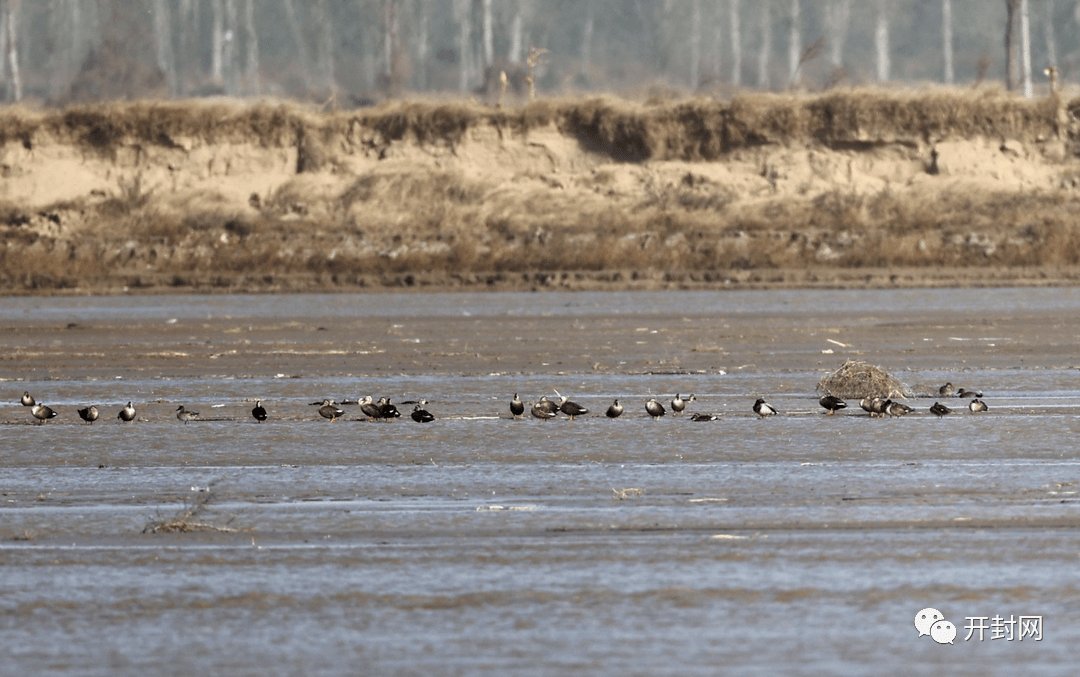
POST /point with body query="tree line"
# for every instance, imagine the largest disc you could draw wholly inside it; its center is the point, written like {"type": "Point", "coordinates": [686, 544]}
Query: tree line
{"type": "Point", "coordinates": [60, 51]}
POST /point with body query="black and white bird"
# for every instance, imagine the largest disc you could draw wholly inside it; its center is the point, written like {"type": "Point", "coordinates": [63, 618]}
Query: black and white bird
{"type": "Point", "coordinates": [127, 413]}
{"type": "Point", "coordinates": [421, 415]}
{"type": "Point", "coordinates": [387, 410]}
{"type": "Point", "coordinates": [42, 413]}
{"type": "Point", "coordinates": [544, 409]}
{"type": "Point", "coordinates": [655, 409]}
{"type": "Point", "coordinates": [678, 405]}
{"type": "Point", "coordinates": [939, 410]}
{"type": "Point", "coordinates": [832, 404]}
{"type": "Point", "coordinates": [977, 405]}
{"type": "Point", "coordinates": [517, 407]}
{"type": "Point", "coordinates": [330, 410]}
{"type": "Point", "coordinates": [898, 409]}
{"type": "Point", "coordinates": [965, 393]}
{"type": "Point", "coordinates": [27, 400]}
{"type": "Point", "coordinates": [571, 409]}
{"type": "Point", "coordinates": [370, 409]}
{"type": "Point", "coordinates": [259, 412]}
{"type": "Point", "coordinates": [89, 414]}
{"type": "Point", "coordinates": [946, 390]}
{"type": "Point", "coordinates": [185, 415]}
{"type": "Point", "coordinates": [763, 408]}
{"type": "Point", "coordinates": [615, 410]}
{"type": "Point", "coordinates": [704, 417]}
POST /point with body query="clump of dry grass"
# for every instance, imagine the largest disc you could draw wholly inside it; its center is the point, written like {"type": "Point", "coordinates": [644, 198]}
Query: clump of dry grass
{"type": "Point", "coordinates": [856, 379]}
{"type": "Point", "coordinates": [187, 520]}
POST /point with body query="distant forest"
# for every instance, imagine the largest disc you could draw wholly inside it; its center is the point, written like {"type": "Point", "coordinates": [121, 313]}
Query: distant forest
{"type": "Point", "coordinates": [353, 52]}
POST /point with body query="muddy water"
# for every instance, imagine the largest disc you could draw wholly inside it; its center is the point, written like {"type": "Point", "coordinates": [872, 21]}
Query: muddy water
{"type": "Point", "coordinates": [477, 544]}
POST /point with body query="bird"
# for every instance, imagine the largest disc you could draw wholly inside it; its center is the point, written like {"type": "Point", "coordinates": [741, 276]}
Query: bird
{"type": "Point", "coordinates": [89, 414]}
{"type": "Point", "coordinates": [421, 415]}
{"type": "Point", "coordinates": [878, 406]}
{"type": "Point", "coordinates": [679, 404]}
{"type": "Point", "coordinates": [27, 400]}
{"type": "Point", "coordinates": [328, 410]}
{"type": "Point", "coordinates": [897, 409]}
{"type": "Point", "coordinates": [763, 408]}
{"type": "Point", "coordinates": [542, 411]}
{"type": "Point", "coordinates": [977, 405]}
{"type": "Point", "coordinates": [185, 415]}
{"type": "Point", "coordinates": [615, 410]}
{"type": "Point", "coordinates": [571, 409]}
{"type": "Point", "coordinates": [42, 413]}
{"type": "Point", "coordinates": [867, 405]}
{"type": "Point", "coordinates": [387, 410]}
{"type": "Point", "coordinates": [831, 403]}
{"type": "Point", "coordinates": [258, 412]}
{"type": "Point", "coordinates": [369, 408]}
{"type": "Point", "coordinates": [517, 407]}
{"type": "Point", "coordinates": [704, 417]}
{"type": "Point", "coordinates": [946, 390]}
{"type": "Point", "coordinates": [940, 409]}
{"type": "Point", "coordinates": [127, 414]}
{"type": "Point", "coordinates": [964, 392]}
{"type": "Point", "coordinates": [655, 409]}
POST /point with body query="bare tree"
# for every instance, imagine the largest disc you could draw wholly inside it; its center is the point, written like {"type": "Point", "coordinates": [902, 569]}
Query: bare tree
{"type": "Point", "coordinates": [516, 53]}
{"type": "Point", "coordinates": [794, 44]}
{"type": "Point", "coordinates": [423, 45]}
{"type": "Point", "coordinates": [1011, 11]}
{"type": "Point", "coordinates": [324, 47]}
{"type": "Point", "coordinates": [297, 32]}
{"type": "Point", "coordinates": [837, 19]}
{"type": "Point", "coordinates": [1025, 47]}
{"type": "Point", "coordinates": [251, 67]}
{"type": "Point", "coordinates": [3, 40]}
{"type": "Point", "coordinates": [881, 41]}
{"type": "Point", "coordinates": [736, 42]}
{"type": "Point", "coordinates": [765, 50]}
{"type": "Point", "coordinates": [947, 39]}
{"type": "Point", "coordinates": [695, 43]}
{"type": "Point", "coordinates": [163, 44]}
{"type": "Point", "coordinates": [463, 15]}
{"type": "Point", "coordinates": [586, 39]}
{"type": "Point", "coordinates": [1048, 31]}
{"type": "Point", "coordinates": [488, 24]}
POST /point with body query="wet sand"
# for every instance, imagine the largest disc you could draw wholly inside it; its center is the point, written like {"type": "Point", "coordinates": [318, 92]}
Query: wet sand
{"type": "Point", "coordinates": [476, 544]}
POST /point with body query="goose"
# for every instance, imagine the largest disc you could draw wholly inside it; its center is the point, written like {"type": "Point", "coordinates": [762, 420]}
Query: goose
{"type": "Point", "coordinates": [27, 400]}
{"type": "Point", "coordinates": [370, 409]}
{"type": "Point", "coordinates": [258, 412]}
{"type": "Point", "coordinates": [517, 407]}
{"type": "Point", "coordinates": [763, 408]}
{"type": "Point", "coordinates": [127, 414]}
{"type": "Point", "coordinates": [977, 405]}
{"type": "Point", "coordinates": [615, 410]}
{"type": "Point", "coordinates": [89, 414]}
{"type": "Point", "coordinates": [946, 390]}
{"type": "Point", "coordinates": [571, 409]}
{"type": "Point", "coordinates": [328, 410]}
{"type": "Point", "coordinates": [678, 405]}
{"type": "Point", "coordinates": [831, 404]}
{"type": "Point", "coordinates": [543, 412]}
{"type": "Point", "coordinates": [655, 409]}
{"type": "Point", "coordinates": [548, 406]}
{"type": "Point", "coordinates": [867, 405]}
{"type": "Point", "coordinates": [185, 415]}
{"type": "Point", "coordinates": [880, 405]}
{"type": "Point", "coordinates": [42, 413]}
{"type": "Point", "coordinates": [421, 415]}
{"type": "Point", "coordinates": [897, 409]}
{"type": "Point", "coordinates": [940, 410]}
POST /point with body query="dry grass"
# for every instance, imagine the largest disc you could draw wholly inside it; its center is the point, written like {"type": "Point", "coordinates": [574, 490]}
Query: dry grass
{"type": "Point", "coordinates": [188, 519]}
{"type": "Point", "coordinates": [856, 379]}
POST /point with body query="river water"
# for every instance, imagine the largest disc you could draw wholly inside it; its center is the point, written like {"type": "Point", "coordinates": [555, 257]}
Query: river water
{"type": "Point", "coordinates": [802, 544]}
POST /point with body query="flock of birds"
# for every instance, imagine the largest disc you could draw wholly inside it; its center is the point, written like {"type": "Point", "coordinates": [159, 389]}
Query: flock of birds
{"type": "Point", "coordinates": [543, 409]}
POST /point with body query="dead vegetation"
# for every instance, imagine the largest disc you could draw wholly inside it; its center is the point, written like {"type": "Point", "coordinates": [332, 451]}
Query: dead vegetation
{"type": "Point", "coordinates": [188, 519]}
{"type": "Point", "coordinates": [856, 379]}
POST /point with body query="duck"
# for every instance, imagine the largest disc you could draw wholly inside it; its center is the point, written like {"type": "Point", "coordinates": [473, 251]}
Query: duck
{"type": "Point", "coordinates": [185, 415]}
{"type": "Point", "coordinates": [655, 409]}
{"type": "Point", "coordinates": [542, 411]}
{"type": "Point", "coordinates": [678, 405]}
{"type": "Point", "coordinates": [258, 412]}
{"type": "Point", "coordinates": [127, 413]}
{"type": "Point", "coordinates": [831, 404]}
{"type": "Point", "coordinates": [89, 414]}
{"type": "Point", "coordinates": [42, 413]}
{"type": "Point", "coordinates": [867, 405]}
{"type": "Point", "coordinates": [27, 400]}
{"type": "Point", "coordinates": [879, 406]}
{"type": "Point", "coordinates": [369, 408]}
{"type": "Point", "coordinates": [387, 410]}
{"type": "Point", "coordinates": [517, 407]}
{"type": "Point", "coordinates": [964, 392]}
{"type": "Point", "coordinates": [897, 409]}
{"type": "Point", "coordinates": [763, 408]}
{"type": "Point", "coordinates": [940, 410]}
{"type": "Point", "coordinates": [946, 390]}
{"type": "Point", "coordinates": [977, 405]}
{"type": "Point", "coordinates": [571, 409]}
{"type": "Point", "coordinates": [704, 417]}
{"type": "Point", "coordinates": [421, 415]}
{"type": "Point", "coordinates": [330, 411]}
{"type": "Point", "coordinates": [615, 410]}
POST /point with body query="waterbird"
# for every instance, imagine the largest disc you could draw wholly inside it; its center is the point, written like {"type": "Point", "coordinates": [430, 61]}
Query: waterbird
{"type": "Point", "coordinates": [517, 407]}
{"type": "Point", "coordinates": [127, 414]}
{"type": "Point", "coordinates": [946, 390]}
{"type": "Point", "coordinates": [977, 405]}
{"type": "Point", "coordinates": [964, 392]}
{"type": "Point", "coordinates": [543, 412]}
{"type": "Point", "coordinates": [421, 415]}
{"type": "Point", "coordinates": [831, 404]}
{"type": "Point", "coordinates": [387, 410]}
{"type": "Point", "coordinates": [89, 414]}
{"type": "Point", "coordinates": [185, 415]}
{"type": "Point", "coordinates": [679, 404]}
{"type": "Point", "coordinates": [655, 409]}
{"type": "Point", "coordinates": [940, 410]}
{"type": "Point", "coordinates": [571, 409]}
{"type": "Point", "coordinates": [369, 408]}
{"type": "Point", "coordinates": [328, 410]}
{"type": "Point", "coordinates": [704, 417]}
{"type": "Point", "coordinates": [867, 405]}
{"type": "Point", "coordinates": [27, 400]}
{"type": "Point", "coordinates": [259, 412]}
{"type": "Point", "coordinates": [763, 408]}
{"type": "Point", "coordinates": [897, 409]}
{"type": "Point", "coordinates": [547, 405]}
{"type": "Point", "coordinates": [878, 406]}
{"type": "Point", "coordinates": [42, 413]}
{"type": "Point", "coordinates": [615, 410]}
